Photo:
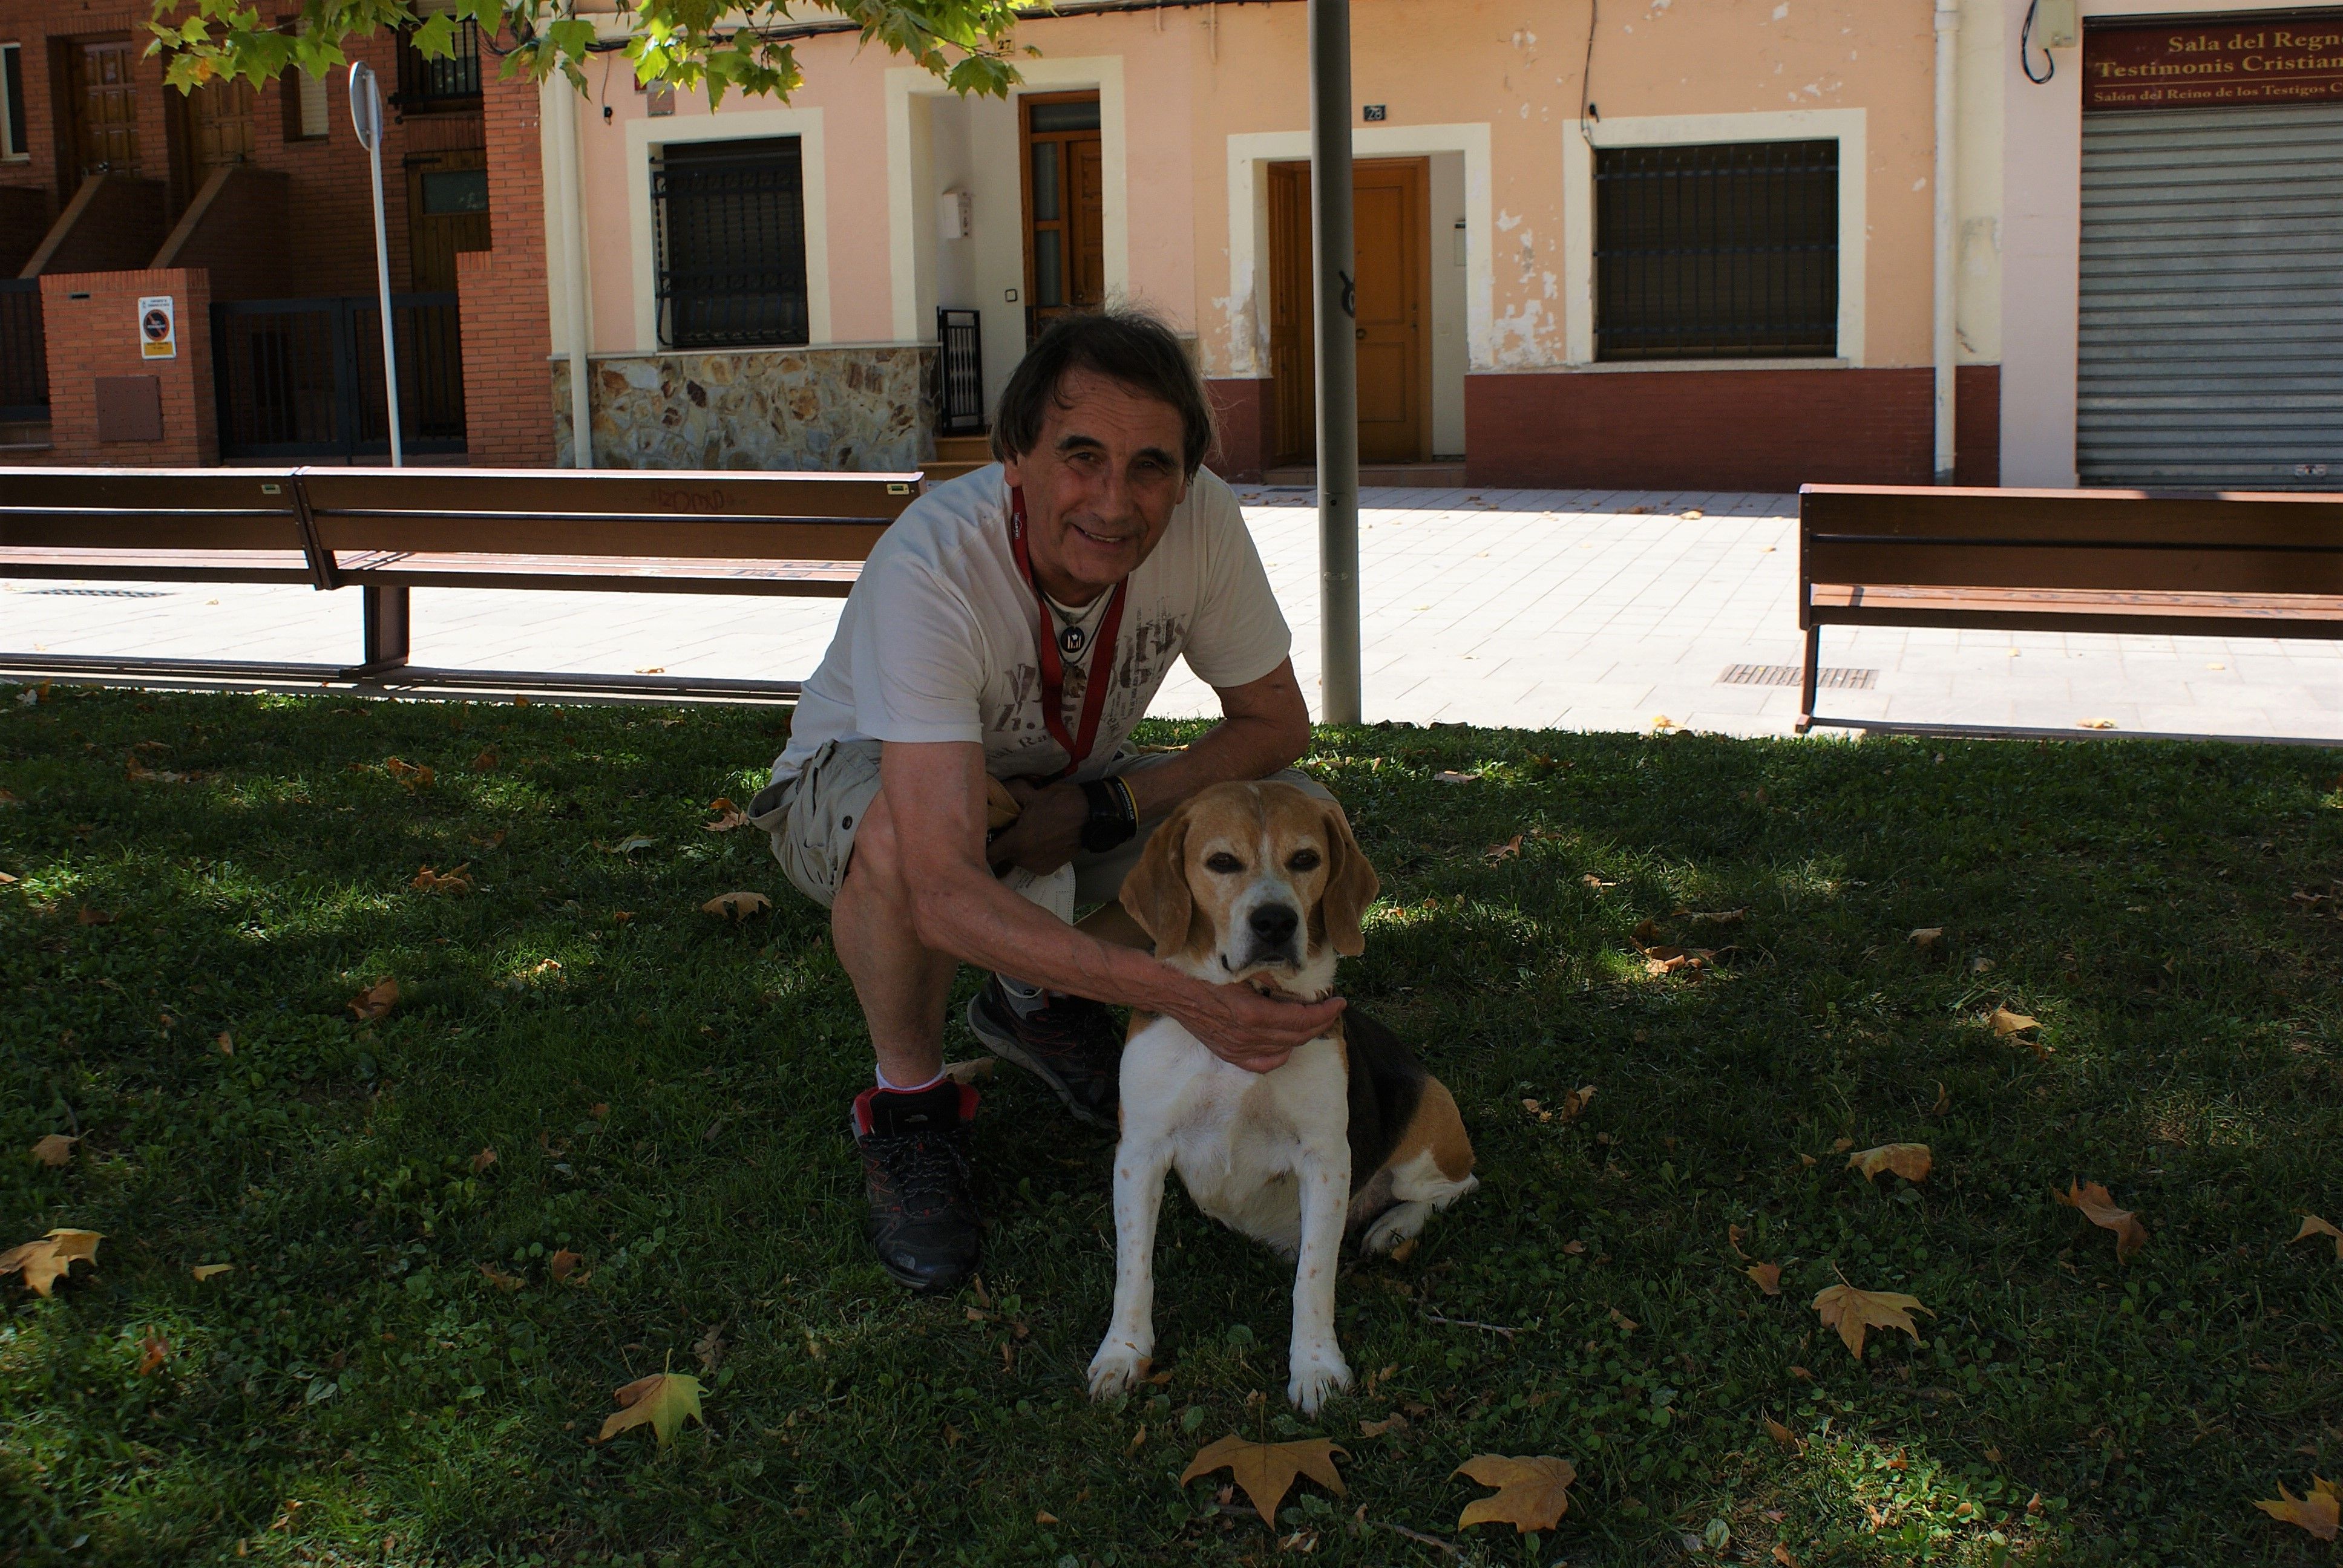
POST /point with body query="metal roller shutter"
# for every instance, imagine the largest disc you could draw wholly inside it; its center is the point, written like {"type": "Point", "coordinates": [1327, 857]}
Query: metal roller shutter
{"type": "Point", "coordinates": [2211, 352]}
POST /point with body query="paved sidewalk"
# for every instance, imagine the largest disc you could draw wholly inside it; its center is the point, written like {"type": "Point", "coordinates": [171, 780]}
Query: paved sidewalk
{"type": "Point", "coordinates": [1575, 609]}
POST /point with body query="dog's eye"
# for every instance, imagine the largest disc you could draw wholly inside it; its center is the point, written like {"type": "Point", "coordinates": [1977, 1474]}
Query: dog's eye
{"type": "Point", "coordinates": [1302, 860]}
{"type": "Point", "coordinates": [1224, 863]}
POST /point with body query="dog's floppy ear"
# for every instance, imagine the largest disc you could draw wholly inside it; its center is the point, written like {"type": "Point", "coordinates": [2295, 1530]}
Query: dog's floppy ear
{"type": "Point", "coordinates": [1155, 893]}
{"type": "Point", "coordinates": [1351, 885]}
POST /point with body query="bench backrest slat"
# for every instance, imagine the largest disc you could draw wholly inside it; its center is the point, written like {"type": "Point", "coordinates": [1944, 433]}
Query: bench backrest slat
{"type": "Point", "coordinates": [614, 536]}
{"type": "Point", "coordinates": [2119, 541]}
{"type": "Point", "coordinates": [558, 492]}
{"type": "Point", "coordinates": [148, 510]}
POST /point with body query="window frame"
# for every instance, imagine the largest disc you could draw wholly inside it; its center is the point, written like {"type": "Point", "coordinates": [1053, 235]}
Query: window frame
{"type": "Point", "coordinates": [15, 123]}
{"type": "Point", "coordinates": [800, 327]}
{"type": "Point", "coordinates": [1716, 251]}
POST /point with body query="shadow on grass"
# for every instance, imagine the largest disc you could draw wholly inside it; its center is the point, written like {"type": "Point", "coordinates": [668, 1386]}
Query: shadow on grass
{"type": "Point", "coordinates": [665, 1095]}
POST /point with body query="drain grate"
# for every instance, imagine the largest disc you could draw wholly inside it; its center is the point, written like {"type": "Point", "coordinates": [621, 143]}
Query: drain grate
{"type": "Point", "coordinates": [102, 592]}
{"type": "Point", "coordinates": [1829, 679]}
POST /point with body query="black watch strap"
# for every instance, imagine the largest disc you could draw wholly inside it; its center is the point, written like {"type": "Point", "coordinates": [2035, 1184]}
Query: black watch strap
{"type": "Point", "coordinates": [1113, 815]}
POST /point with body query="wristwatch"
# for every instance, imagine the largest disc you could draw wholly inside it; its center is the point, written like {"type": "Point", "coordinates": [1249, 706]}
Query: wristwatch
{"type": "Point", "coordinates": [1113, 816]}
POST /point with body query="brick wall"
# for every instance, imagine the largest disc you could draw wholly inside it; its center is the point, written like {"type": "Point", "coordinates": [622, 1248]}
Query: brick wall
{"type": "Point", "coordinates": [330, 250]}
{"type": "Point", "coordinates": [237, 237]}
{"type": "Point", "coordinates": [121, 224]}
{"type": "Point", "coordinates": [97, 334]}
{"type": "Point", "coordinates": [1769, 430]}
{"type": "Point", "coordinates": [24, 219]}
{"type": "Point", "coordinates": [507, 342]}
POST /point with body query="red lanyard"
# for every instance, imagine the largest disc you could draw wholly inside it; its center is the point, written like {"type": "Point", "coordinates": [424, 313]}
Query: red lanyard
{"type": "Point", "coordinates": [1053, 669]}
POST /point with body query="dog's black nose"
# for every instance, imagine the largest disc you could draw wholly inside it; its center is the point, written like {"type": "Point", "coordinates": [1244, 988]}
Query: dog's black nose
{"type": "Point", "coordinates": [1274, 923]}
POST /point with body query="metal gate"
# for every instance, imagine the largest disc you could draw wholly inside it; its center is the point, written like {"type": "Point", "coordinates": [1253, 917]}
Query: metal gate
{"type": "Point", "coordinates": [302, 378]}
{"type": "Point", "coordinates": [2211, 351]}
{"type": "Point", "coordinates": [960, 372]}
{"type": "Point", "coordinates": [23, 352]}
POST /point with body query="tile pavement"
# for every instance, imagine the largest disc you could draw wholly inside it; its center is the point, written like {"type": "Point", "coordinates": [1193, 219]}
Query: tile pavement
{"type": "Point", "coordinates": [1575, 609]}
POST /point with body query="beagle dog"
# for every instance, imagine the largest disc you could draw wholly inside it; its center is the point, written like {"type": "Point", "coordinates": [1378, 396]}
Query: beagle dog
{"type": "Point", "coordinates": [1261, 884]}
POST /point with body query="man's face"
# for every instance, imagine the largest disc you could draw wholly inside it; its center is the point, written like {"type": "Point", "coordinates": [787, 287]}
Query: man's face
{"type": "Point", "coordinates": [1100, 485]}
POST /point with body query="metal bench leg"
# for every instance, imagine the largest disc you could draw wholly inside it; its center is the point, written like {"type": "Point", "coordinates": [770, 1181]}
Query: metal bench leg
{"type": "Point", "coordinates": [387, 625]}
{"type": "Point", "coordinates": [1807, 680]}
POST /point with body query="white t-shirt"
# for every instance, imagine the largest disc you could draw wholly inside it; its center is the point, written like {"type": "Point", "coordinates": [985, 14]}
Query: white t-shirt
{"type": "Point", "coordinates": [936, 641]}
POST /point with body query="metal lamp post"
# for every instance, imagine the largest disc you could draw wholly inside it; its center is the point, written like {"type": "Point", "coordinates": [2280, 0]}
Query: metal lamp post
{"type": "Point", "coordinates": [366, 114]}
{"type": "Point", "coordinates": [1338, 360]}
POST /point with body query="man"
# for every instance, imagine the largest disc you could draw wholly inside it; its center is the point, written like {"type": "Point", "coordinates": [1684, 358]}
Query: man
{"type": "Point", "coordinates": [956, 781]}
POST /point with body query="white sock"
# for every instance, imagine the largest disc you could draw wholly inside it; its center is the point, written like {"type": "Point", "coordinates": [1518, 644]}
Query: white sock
{"type": "Point", "coordinates": [881, 1075]}
{"type": "Point", "coordinates": [1024, 999]}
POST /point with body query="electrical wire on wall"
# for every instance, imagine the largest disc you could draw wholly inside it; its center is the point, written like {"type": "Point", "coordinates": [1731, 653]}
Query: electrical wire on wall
{"type": "Point", "coordinates": [2026, 49]}
{"type": "Point", "coordinates": [1587, 109]}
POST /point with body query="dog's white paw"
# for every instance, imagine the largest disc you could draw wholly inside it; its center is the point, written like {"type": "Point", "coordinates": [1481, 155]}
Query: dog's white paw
{"type": "Point", "coordinates": [1318, 1372]}
{"type": "Point", "coordinates": [1117, 1368]}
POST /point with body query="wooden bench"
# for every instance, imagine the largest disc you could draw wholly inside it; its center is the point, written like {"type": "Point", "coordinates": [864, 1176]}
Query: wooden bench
{"type": "Point", "coordinates": [2218, 565]}
{"type": "Point", "coordinates": [388, 531]}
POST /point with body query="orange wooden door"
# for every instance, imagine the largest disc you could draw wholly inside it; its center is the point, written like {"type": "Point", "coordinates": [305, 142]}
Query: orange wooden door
{"type": "Point", "coordinates": [1390, 201]}
{"type": "Point", "coordinates": [1065, 217]}
{"type": "Point", "coordinates": [103, 89]}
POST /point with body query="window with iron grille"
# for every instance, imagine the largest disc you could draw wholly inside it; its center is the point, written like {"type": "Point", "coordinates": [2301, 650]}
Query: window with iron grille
{"type": "Point", "coordinates": [730, 226]}
{"type": "Point", "coordinates": [426, 83]}
{"type": "Point", "coordinates": [1718, 252]}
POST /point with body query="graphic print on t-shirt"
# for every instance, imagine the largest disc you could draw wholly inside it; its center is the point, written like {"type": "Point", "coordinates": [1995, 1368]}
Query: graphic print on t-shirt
{"type": "Point", "coordinates": [1144, 656]}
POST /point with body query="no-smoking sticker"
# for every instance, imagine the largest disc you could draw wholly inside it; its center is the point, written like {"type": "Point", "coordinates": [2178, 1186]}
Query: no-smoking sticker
{"type": "Point", "coordinates": [158, 328]}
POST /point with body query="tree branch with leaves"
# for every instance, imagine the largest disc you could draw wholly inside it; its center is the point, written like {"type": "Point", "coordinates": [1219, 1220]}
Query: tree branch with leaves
{"type": "Point", "coordinates": [729, 48]}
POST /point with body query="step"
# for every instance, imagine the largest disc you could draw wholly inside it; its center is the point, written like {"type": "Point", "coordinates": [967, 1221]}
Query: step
{"type": "Point", "coordinates": [964, 448]}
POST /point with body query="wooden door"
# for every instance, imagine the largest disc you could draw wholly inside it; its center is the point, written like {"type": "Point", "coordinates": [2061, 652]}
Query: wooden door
{"type": "Point", "coordinates": [212, 129]}
{"type": "Point", "coordinates": [1390, 202]}
{"type": "Point", "coordinates": [1065, 206]}
{"type": "Point", "coordinates": [102, 96]}
{"type": "Point", "coordinates": [447, 213]}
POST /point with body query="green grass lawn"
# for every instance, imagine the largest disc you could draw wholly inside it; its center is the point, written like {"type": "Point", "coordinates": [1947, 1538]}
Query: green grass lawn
{"type": "Point", "coordinates": [666, 1095]}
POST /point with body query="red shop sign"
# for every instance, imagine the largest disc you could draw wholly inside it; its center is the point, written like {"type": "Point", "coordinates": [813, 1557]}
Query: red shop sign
{"type": "Point", "coordinates": [2214, 65]}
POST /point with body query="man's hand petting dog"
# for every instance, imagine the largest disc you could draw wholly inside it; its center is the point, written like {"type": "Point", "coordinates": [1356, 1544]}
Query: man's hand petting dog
{"type": "Point", "coordinates": [1254, 1029]}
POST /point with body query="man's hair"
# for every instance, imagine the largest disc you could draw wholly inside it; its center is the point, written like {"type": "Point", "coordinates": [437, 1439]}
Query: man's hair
{"type": "Point", "coordinates": [1128, 346]}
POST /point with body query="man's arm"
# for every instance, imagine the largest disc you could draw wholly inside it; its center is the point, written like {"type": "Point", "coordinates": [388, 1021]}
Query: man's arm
{"type": "Point", "coordinates": [935, 795]}
{"type": "Point", "coordinates": [1264, 726]}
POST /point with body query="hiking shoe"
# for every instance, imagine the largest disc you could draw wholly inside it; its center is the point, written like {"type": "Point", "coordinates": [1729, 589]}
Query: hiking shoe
{"type": "Point", "coordinates": [915, 1172]}
{"type": "Point", "coordinates": [1073, 1044]}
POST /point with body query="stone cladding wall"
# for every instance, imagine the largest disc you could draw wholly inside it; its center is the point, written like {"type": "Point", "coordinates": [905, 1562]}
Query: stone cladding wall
{"type": "Point", "coordinates": [867, 410]}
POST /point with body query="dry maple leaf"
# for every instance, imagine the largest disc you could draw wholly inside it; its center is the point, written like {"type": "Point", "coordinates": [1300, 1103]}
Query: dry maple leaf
{"type": "Point", "coordinates": [1944, 1100]}
{"type": "Point", "coordinates": [737, 906]}
{"type": "Point", "coordinates": [482, 1160]}
{"type": "Point", "coordinates": [56, 1151]}
{"type": "Point", "coordinates": [709, 1349]}
{"type": "Point", "coordinates": [1266, 1470]}
{"type": "Point", "coordinates": [2320, 1512]}
{"type": "Point", "coordinates": [1532, 1493]}
{"type": "Point", "coordinates": [1910, 1161]}
{"type": "Point", "coordinates": [1784, 1438]}
{"type": "Point", "coordinates": [1450, 776]}
{"type": "Point", "coordinates": [1769, 1277]}
{"type": "Point", "coordinates": [408, 774]}
{"type": "Point", "coordinates": [203, 1271]}
{"type": "Point", "coordinates": [661, 1401]}
{"type": "Point", "coordinates": [1392, 1422]}
{"type": "Point", "coordinates": [224, 1042]}
{"type": "Point", "coordinates": [5, 880]}
{"type": "Point", "coordinates": [1852, 1312]}
{"type": "Point", "coordinates": [154, 1350]}
{"type": "Point", "coordinates": [2100, 1209]}
{"type": "Point", "coordinates": [47, 1260]}
{"type": "Point", "coordinates": [1782, 1555]}
{"type": "Point", "coordinates": [374, 1001]}
{"type": "Point", "coordinates": [1626, 1324]}
{"type": "Point", "coordinates": [2312, 1225]}
{"type": "Point", "coordinates": [486, 762]}
{"type": "Point", "coordinates": [1510, 849]}
{"type": "Point", "coordinates": [1596, 882]}
{"type": "Point", "coordinates": [727, 816]}
{"type": "Point", "coordinates": [430, 882]}
{"type": "Point", "coordinates": [1733, 1234]}
{"type": "Point", "coordinates": [2005, 1022]}
{"type": "Point", "coordinates": [1927, 937]}
{"type": "Point", "coordinates": [563, 1264]}
{"type": "Point", "coordinates": [976, 1070]}
{"type": "Point", "coordinates": [499, 1278]}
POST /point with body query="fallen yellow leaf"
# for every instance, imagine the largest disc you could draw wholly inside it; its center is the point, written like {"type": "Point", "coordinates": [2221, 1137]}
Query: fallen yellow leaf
{"type": "Point", "coordinates": [499, 1278]}
{"type": "Point", "coordinates": [1532, 1493]}
{"type": "Point", "coordinates": [56, 1151]}
{"type": "Point", "coordinates": [2320, 1513]}
{"type": "Point", "coordinates": [2005, 1022]}
{"type": "Point", "coordinates": [2099, 1207]}
{"type": "Point", "coordinates": [1769, 1277]}
{"type": "Point", "coordinates": [155, 1350]}
{"type": "Point", "coordinates": [737, 906]}
{"type": "Point", "coordinates": [1392, 1422]}
{"type": "Point", "coordinates": [1910, 1161]}
{"type": "Point", "coordinates": [430, 882]}
{"type": "Point", "coordinates": [374, 1001]}
{"type": "Point", "coordinates": [224, 1042]}
{"type": "Point", "coordinates": [1784, 1438]}
{"type": "Point", "coordinates": [727, 816]}
{"type": "Point", "coordinates": [562, 1264]}
{"type": "Point", "coordinates": [1927, 937]}
{"type": "Point", "coordinates": [203, 1271]}
{"type": "Point", "coordinates": [408, 774]}
{"type": "Point", "coordinates": [482, 1160]}
{"type": "Point", "coordinates": [662, 1401]}
{"type": "Point", "coordinates": [1852, 1312]}
{"type": "Point", "coordinates": [1510, 849]}
{"type": "Point", "coordinates": [1782, 1555]}
{"type": "Point", "coordinates": [2312, 1225]}
{"type": "Point", "coordinates": [1266, 1470]}
{"type": "Point", "coordinates": [47, 1260]}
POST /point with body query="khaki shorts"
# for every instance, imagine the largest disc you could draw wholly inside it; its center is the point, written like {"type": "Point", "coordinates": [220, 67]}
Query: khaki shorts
{"type": "Point", "coordinates": [812, 819]}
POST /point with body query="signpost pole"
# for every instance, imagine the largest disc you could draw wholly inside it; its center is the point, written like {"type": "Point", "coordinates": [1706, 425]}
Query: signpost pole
{"type": "Point", "coordinates": [366, 114]}
{"type": "Point", "coordinates": [1337, 361]}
